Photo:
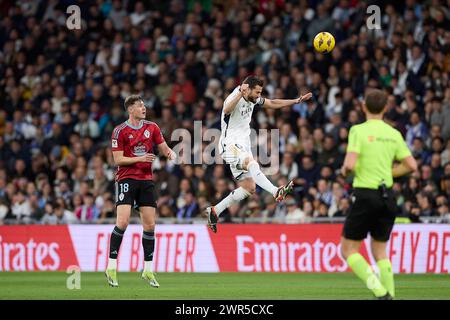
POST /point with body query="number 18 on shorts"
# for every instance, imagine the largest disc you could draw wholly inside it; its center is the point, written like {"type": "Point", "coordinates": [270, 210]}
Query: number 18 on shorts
{"type": "Point", "coordinates": [139, 192]}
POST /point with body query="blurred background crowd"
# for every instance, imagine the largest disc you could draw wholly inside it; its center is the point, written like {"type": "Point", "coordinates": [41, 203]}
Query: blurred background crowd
{"type": "Point", "coordinates": [62, 93]}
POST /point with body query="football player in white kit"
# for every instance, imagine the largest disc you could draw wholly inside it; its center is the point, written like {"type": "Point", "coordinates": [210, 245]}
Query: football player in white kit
{"type": "Point", "coordinates": [235, 147]}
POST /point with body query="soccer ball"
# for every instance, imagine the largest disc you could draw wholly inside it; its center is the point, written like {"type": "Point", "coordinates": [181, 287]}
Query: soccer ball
{"type": "Point", "coordinates": [324, 42]}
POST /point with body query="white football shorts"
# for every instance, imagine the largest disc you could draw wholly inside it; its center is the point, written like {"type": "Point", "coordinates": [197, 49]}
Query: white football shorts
{"type": "Point", "coordinates": [234, 154]}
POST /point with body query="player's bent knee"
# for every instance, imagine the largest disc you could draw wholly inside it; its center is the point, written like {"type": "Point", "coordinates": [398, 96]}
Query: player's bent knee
{"type": "Point", "coordinates": [149, 226]}
{"type": "Point", "coordinates": [248, 161]}
{"type": "Point", "coordinates": [123, 219]}
{"type": "Point", "coordinates": [251, 189]}
{"type": "Point", "coordinates": [251, 161]}
{"type": "Point", "coordinates": [122, 224]}
{"type": "Point", "coordinates": [249, 186]}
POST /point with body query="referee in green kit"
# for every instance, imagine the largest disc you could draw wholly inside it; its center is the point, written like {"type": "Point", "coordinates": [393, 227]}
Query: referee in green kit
{"type": "Point", "coordinates": [373, 147]}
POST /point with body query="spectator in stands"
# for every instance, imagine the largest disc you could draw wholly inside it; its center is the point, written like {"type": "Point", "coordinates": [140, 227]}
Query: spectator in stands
{"type": "Point", "coordinates": [424, 202]}
{"type": "Point", "coordinates": [49, 215]}
{"type": "Point", "coordinates": [322, 211]}
{"type": "Point", "coordinates": [416, 129]}
{"type": "Point", "coordinates": [323, 192]}
{"type": "Point", "coordinates": [189, 209]}
{"type": "Point", "coordinates": [63, 213]}
{"type": "Point", "coordinates": [165, 211]}
{"type": "Point", "coordinates": [445, 184]}
{"type": "Point", "coordinates": [107, 211]}
{"type": "Point", "coordinates": [293, 213]}
{"type": "Point", "coordinates": [337, 195]}
{"type": "Point", "coordinates": [253, 209]}
{"type": "Point", "coordinates": [3, 210]}
{"type": "Point", "coordinates": [183, 89]}
{"type": "Point", "coordinates": [21, 208]}
{"type": "Point", "coordinates": [86, 127]}
{"type": "Point", "coordinates": [288, 167]}
{"type": "Point", "coordinates": [88, 212]}
{"type": "Point", "coordinates": [308, 172]}
{"type": "Point", "coordinates": [343, 208]}
{"type": "Point", "coordinates": [270, 206]}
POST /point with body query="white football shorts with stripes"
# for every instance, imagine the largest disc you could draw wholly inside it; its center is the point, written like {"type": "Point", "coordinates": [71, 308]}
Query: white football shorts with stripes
{"type": "Point", "coordinates": [234, 154]}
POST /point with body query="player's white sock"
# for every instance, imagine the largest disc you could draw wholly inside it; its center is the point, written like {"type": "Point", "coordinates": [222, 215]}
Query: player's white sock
{"type": "Point", "coordinates": [236, 195]}
{"type": "Point", "coordinates": [112, 264]}
{"type": "Point", "coordinates": [148, 266]}
{"type": "Point", "coordinates": [260, 179]}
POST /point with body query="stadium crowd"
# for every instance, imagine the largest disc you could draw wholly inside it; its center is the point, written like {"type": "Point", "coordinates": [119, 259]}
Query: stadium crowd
{"type": "Point", "coordinates": [62, 93]}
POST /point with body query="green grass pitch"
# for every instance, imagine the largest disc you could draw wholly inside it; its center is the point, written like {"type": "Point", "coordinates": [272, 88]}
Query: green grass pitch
{"type": "Point", "coordinates": [193, 286]}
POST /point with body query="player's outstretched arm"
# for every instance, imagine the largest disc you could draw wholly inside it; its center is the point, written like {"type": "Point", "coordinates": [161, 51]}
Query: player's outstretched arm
{"type": "Point", "coordinates": [232, 100]}
{"type": "Point", "coordinates": [281, 103]}
{"type": "Point", "coordinates": [121, 160]}
{"type": "Point", "coordinates": [165, 150]}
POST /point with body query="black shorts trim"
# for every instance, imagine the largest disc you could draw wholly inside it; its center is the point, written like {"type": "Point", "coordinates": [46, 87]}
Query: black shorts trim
{"type": "Point", "coordinates": [370, 213]}
{"type": "Point", "coordinates": [138, 193]}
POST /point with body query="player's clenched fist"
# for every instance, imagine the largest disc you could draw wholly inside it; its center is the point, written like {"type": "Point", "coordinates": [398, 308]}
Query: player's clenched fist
{"type": "Point", "coordinates": [244, 88]}
{"type": "Point", "coordinates": [148, 157]}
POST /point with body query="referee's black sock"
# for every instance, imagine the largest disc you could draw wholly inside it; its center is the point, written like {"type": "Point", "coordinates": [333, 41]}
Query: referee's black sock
{"type": "Point", "coordinates": [115, 241]}
{"type": "Point", "coordinates": [148, 243]}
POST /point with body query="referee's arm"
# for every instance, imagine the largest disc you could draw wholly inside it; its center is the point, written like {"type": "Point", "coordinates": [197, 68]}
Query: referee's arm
{"type": "Point", "coordinates": [407, 162]}
{"type": "Point", "coordinates": [353, 150]}
{"type": "Point", "coordinates": [349, 163]}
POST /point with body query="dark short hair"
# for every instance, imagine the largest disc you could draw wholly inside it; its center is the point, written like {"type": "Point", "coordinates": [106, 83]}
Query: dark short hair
{"type": "Point", "coordinates": [438, 138]}
{"type": "Point", "coordinates": [436, 99]}
{"type": "Point", "coordinates": [130, 100]}
{"type": "Point", "coordinates": [376, 101]}
{"type": "Point", "coordinates": [253, 81]}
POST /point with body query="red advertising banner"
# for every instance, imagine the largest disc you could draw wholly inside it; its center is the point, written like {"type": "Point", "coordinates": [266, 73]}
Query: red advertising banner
{"type": "Point", "coordinates": [413, 248]}
{"type": "Point", "coordinates": [36, 248]}
{"type": "Point", "coordinates": [279, 248]}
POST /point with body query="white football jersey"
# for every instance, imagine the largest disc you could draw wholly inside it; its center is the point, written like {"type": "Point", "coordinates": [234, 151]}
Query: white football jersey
{"type": "Point", "coordinates": [236, 125]}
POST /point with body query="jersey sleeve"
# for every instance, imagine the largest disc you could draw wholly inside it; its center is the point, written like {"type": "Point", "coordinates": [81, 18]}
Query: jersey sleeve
{"type": "Point", "coordinates": [117, 140]}
{"type": "Point", "coordinates": [157, 135]}
{"type": "Point", "coordinates": [354, 141]}
{"type": "Point", "coordinates": [402, 150]}
{"type": "Point", "coordinates": [232, 94]}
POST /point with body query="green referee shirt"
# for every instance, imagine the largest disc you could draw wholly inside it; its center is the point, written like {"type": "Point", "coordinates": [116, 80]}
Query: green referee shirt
{"type": "Point", "coordinates": [377, 145]}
